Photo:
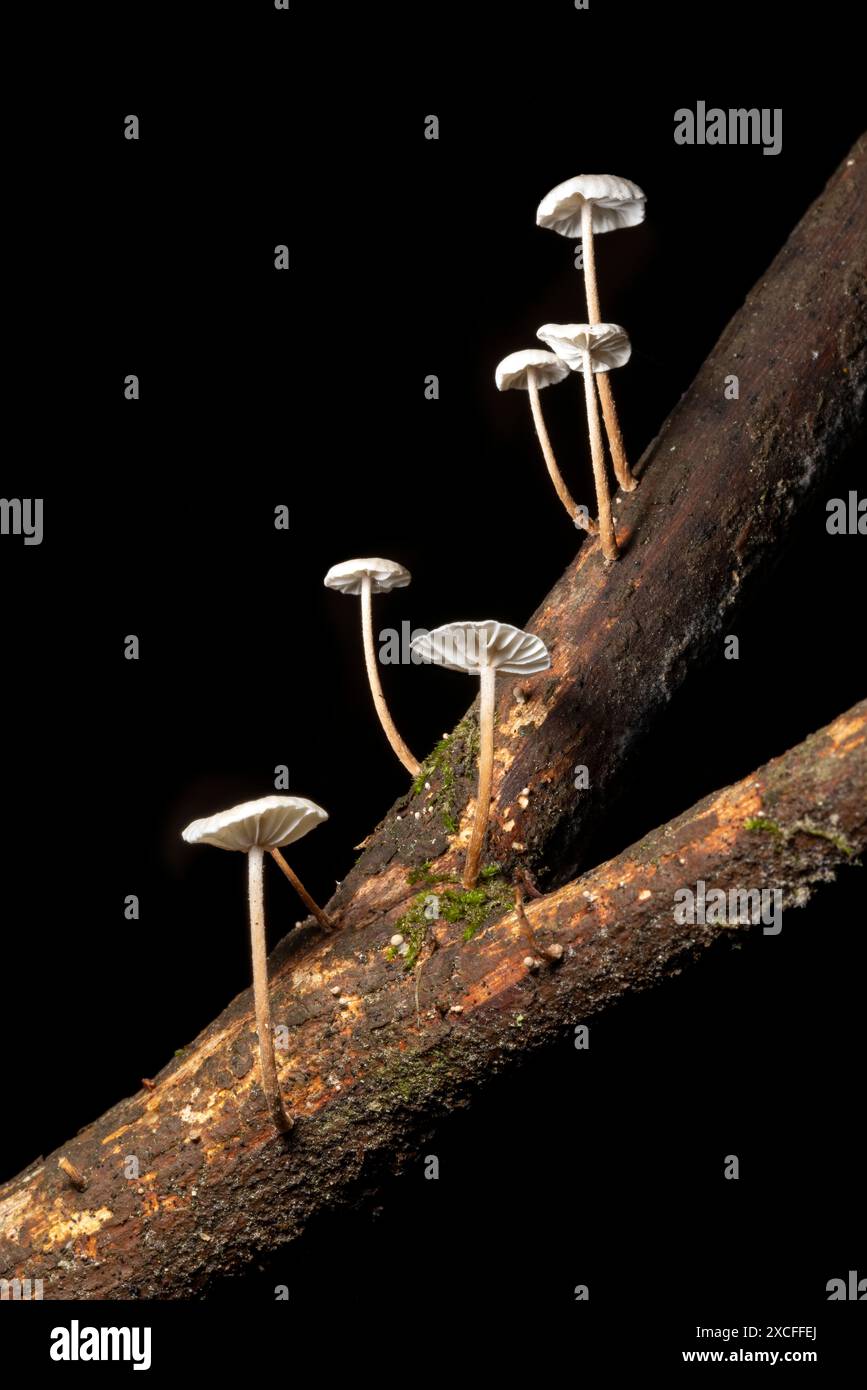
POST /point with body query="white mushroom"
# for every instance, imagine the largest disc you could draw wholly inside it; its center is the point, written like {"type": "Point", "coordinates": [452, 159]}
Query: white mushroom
{"type": "Point", "coordinates": [482, 649]}
{"type": "Point", "coordinates": [592, 350]}
{"type": "Point", "coordinates": [252, 828]}
{"type": "Point", "coordinates": [366, 577]}
{"type": "Point", "coordinates": [530, 371]}
{"type": "Point", "coordinates": [577, 208]}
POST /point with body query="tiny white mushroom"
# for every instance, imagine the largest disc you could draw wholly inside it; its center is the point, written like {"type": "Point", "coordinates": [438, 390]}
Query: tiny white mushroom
{"type": "Point", "coordinates": [252, 828]}
{"type": "Point", "coordinates": [367, 577]}
{"type": "Point", "coordinates": [592, 349]}
{"type": "Point", "coordinates": [482, 649]}
{"type": "Point", "coordinates": [578, 208]}
{"type": "Point", "coordinates": [530, 371]}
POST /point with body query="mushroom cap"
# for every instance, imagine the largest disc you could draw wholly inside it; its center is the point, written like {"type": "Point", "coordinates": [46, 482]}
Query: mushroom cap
{"type": "Point", "coordinates": [615, 203]}
{"type": "Point", "coordinates": [269, 823]}
{"type": "Point", "coordinates": [462, 647]}
{"type": "Point", "coordinates": [606, 344]}
{"type": "Point", "coordinates": [511, 374]}
{"type": "Point", "coordinates": [384, 575]}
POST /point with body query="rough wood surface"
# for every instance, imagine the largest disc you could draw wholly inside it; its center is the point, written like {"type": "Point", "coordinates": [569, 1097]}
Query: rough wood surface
{"type": "Point", "coordinates": [377, 1051]}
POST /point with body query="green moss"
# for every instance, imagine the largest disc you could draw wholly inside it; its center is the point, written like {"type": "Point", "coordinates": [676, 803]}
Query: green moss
{"type": "Point", "coordinates": [762, 823]}
{"type": "Point", "coordinates": [450, 759]}
{"type": "Point", "coordinates": [422, 874]}
{"type": "Point", "coordinates": [472, 906]}
{"type": "Point", "coordinates": [412, 926]}
{"type": "Point", "coordinates": [807, 827]}
{"type": "Point", "coordinates": [801, 827]}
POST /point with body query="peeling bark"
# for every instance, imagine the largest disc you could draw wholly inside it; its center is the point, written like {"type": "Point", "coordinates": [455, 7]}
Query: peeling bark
{"type": "Point", "coordinates": [379, 1052]}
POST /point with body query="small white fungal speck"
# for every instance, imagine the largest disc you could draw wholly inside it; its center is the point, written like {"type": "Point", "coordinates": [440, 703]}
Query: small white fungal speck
{"type": "Point", "coordinates": [427, 786]}
{"type": "Point", "coordinates": [396, 940]}
{"type": "Point", "coordinates": [335, 989]}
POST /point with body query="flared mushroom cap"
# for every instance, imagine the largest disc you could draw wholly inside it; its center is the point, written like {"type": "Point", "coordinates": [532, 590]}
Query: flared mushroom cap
{"type": "Point", "coordinates": [470, 646]}
{"type": "Point", "coordinates": [614, 202]}
{"type": "Point", "coordinates": [384, 575]}
{"type": "Point", "coordinates": [511, 374]}
{"type": "Point", "coordinates": [269, 823]}
{"type": "Point", "coordinates": [606, 344]}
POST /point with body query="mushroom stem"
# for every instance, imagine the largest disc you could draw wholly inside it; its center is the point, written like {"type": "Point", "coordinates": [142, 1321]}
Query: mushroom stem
{"type": "Point", "coordinates": [591, 289]}
{"type": "Point", "coordinates": [398, 746]}
{"type": "Point", "coordinates": [615, 438]}
{"type": "Point", "coordinates": [609, 410]}
{"type": "Point", "coordinates": [486, 776]}
{"type": "Point", "coordinates": [261, 1000]}
{"type": "Point", "coordinates": [323, 920]}
{"type": "Point", "coordinates": [603, 502]}
{"type": "Point", "coordinates": [548, 453]}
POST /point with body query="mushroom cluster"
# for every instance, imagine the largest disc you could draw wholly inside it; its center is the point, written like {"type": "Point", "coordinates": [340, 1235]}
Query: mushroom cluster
{"type": "Point", "coordinates": [582, 208]}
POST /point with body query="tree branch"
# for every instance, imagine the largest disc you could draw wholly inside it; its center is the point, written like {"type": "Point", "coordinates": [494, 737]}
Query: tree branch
{"type": "Point", "coordinates": [720, 487]}
{"type": "Point", "coordinates": [379, 1051]}
{"type": "Point", "coordinates": [376, 1050]}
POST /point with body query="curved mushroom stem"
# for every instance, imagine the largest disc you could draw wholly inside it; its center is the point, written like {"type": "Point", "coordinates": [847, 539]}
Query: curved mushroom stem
{"type": "Point", "coordinates": [486, 775]}
{"type": "Point", "coordinates": [603, 502]}
{"type": "Point", "coordinates": [548, 453]}
{"type": "Point", "coordinates": [609, 410]}
{"type": "Point", "coordinates": [324, 921]}
{"type": "Point", "coordinates": [412, 766]}
{"type": "Point", "coordinates": [264, 1026]}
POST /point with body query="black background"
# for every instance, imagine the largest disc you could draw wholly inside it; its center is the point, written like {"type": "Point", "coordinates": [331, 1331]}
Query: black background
{"type": "Point", "coordinates": [408, 257]}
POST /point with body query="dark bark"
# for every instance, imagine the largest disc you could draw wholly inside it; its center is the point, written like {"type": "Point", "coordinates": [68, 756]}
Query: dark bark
{"type": "Point", "coordinates": [371, 1068]}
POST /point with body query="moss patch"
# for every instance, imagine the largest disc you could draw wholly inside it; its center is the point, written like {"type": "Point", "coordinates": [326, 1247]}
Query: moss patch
{"type": "Point", "coordinates": [472, 906]}
{"type": "Point", "coordinates": [762, 823]}
{"type": "Point", "coordinates": [801, 827]}
{"type": "Point", "coordinates": [451, 759]}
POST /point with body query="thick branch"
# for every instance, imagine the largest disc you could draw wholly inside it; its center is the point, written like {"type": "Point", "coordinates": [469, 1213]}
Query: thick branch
{"type": "Point", "coordinates": [720, 487]}
{"type": "Point", "coordinates": [378, 1052]}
